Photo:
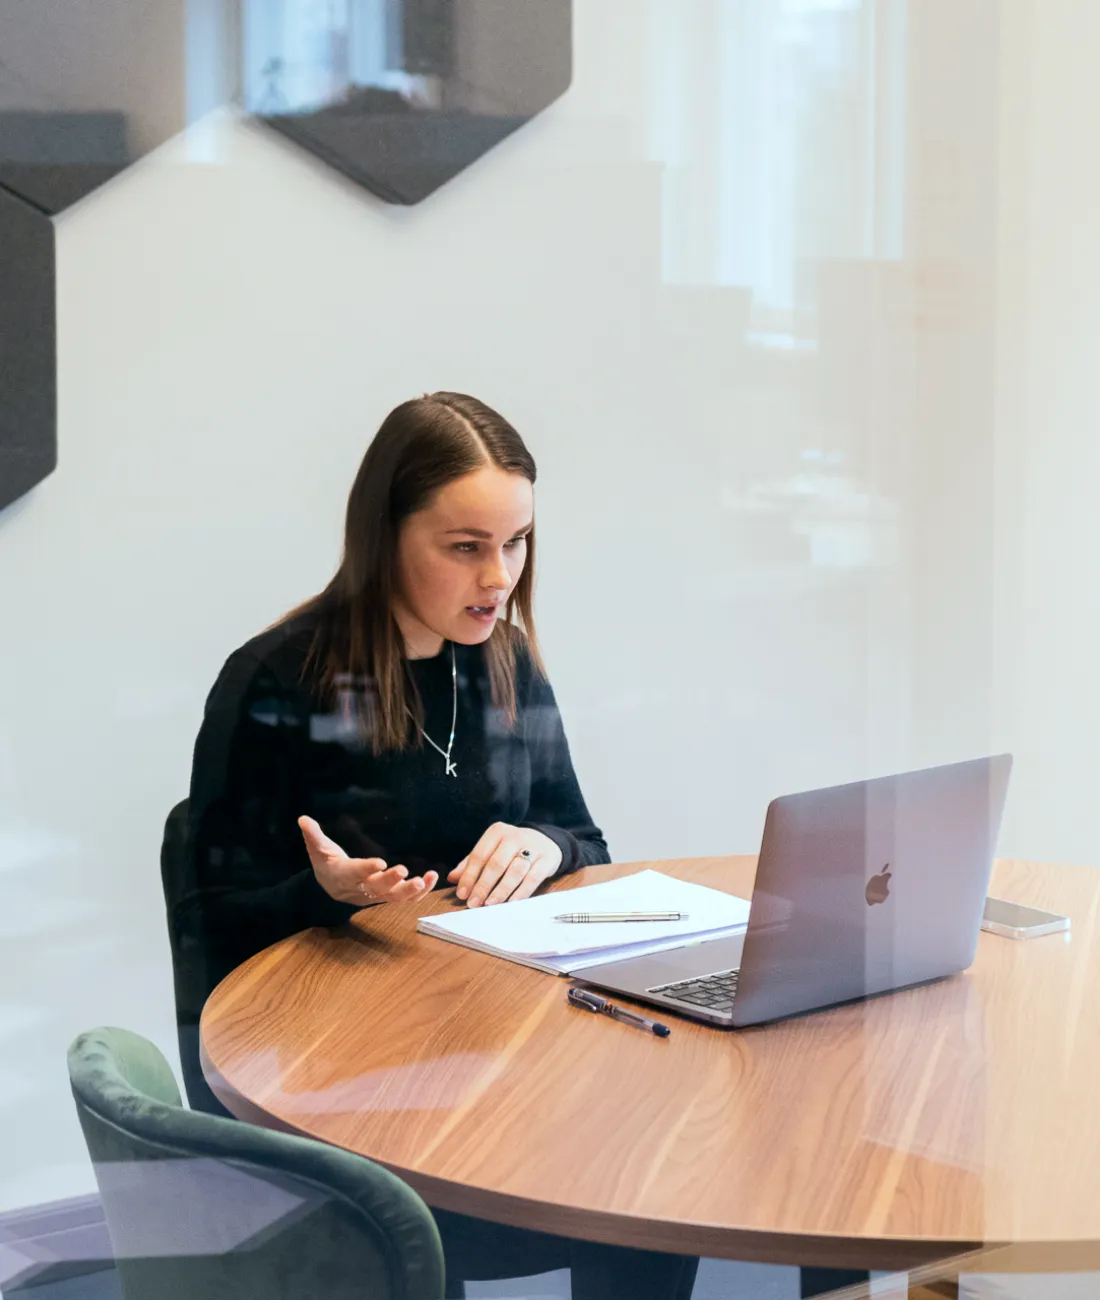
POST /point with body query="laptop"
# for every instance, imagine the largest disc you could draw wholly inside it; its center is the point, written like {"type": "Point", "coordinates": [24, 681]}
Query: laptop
{"type": "Point", "coordinates": [860, 889]}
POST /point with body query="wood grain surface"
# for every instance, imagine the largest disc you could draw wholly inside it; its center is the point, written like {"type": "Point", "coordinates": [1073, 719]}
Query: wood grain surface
{"type": "Point", "coordinates": [886, 1133]}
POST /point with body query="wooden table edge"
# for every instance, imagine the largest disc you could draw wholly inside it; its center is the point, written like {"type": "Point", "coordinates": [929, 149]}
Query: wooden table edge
{"type": "Point", "coordinates": [934, 1258]}
{"type": "Point", "coordinates": [748, 1244]}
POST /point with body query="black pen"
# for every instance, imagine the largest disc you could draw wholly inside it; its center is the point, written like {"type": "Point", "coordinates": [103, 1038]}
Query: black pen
{"type": "Point", "coordinates": [593, 1002]}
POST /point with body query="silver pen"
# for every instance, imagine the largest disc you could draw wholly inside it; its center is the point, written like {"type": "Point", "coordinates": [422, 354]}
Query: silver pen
{"type": "Point", "coordinates": [593, 1002]}
{"type": "Point", "coordinates": [579, 917]}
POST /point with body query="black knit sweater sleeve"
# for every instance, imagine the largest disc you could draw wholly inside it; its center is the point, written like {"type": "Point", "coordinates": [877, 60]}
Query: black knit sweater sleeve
{"type": "Point", "coordinates": [557, 807]}
{"type": "Point", "coordinates": [247, 881]}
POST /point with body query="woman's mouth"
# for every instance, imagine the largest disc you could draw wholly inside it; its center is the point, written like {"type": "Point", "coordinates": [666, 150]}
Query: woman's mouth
{"type": "Point", "coordinates": [483, 613]}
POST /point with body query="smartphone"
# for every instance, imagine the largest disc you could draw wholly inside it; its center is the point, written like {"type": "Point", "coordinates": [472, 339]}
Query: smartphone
{"type": "Point", "coordinates": [1015, 921]}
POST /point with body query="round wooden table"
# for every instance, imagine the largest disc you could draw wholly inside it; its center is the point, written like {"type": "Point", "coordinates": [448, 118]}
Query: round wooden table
{"type": "Point", "coordinates": [883, 1134]}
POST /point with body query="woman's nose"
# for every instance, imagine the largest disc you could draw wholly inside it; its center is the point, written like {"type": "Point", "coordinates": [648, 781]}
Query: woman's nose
{"type": "Point", "coordinates": [496, 575]}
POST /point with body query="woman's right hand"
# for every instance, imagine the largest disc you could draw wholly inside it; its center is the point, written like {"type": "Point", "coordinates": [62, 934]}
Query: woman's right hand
{"type": "Point", "coordinates": [359, 881]}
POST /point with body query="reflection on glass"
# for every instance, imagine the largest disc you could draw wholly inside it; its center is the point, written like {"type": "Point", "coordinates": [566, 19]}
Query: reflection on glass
{"type": "Point", "coordinates": [769, 398]}
{"type": "Point", "coordinates": [86, 89]}
{"type": "Point", "coordinates": [781, 127]}
{"type": "Point", "coordinates": [402, 94]}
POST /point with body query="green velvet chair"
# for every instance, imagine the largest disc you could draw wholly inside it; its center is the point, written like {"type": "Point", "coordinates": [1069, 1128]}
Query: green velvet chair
{"type": "Point", "coordinates": [204, 1208]}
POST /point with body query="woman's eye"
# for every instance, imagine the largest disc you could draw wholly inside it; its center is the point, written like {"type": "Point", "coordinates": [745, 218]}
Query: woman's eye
{"type": "Point", "coordinates": [470, 548]}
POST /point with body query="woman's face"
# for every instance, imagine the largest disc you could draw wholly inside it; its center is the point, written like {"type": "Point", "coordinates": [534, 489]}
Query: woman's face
{"type": "Point", "coordinates": [459, 559]}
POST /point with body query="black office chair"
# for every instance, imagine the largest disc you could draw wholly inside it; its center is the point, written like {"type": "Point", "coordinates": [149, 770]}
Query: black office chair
{"type": "Point", "coordinates": [173, 864]}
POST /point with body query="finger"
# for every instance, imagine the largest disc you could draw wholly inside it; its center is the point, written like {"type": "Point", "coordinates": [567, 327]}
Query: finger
{"type": "Point", "coordinates": [375, 886]}
{"type": "Point", "coordinates": [403, 892]}
{"type": "Point", "coordinates": [388, 878]}
{"type": "Point", "coordinates": [407, 890]}
{"type": "Point", "coordinates": [317, 841]}
{"type": "Point", "coordinates": [475, 860]}
{"type": "Point", "coordinates": [359, 872]}
{"type": "Point", "coordinates": [529, 883]}
{"type": "Point", "coordinates": [481, 853]}
{"type": "Point", "coordinates": [457, 871]}
{"type": "Point", "coordinates": [493, 870]}
{"type": "Point", "coordinates": [517, 871]}
{"type": "Point", "coordinates": [367, 866]}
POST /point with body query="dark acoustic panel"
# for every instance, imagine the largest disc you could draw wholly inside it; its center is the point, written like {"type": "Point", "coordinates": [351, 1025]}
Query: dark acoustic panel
{"type": "Point", "coordinates": [400, 157]}
{"type": "Point", "coordinates": [54, 158]}
{"type": "Point", "coordinates": [28, 335]}
{"type": "Point", "coordinates": [402, 95]}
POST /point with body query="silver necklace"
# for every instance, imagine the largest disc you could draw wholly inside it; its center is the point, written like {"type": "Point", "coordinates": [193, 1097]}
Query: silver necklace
{"type": "Point", "coordinates": [451, 769]}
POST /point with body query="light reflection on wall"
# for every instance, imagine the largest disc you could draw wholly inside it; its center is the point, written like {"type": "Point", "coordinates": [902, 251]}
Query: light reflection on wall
{"type": "Point", "coordinates": [781, 129]}
{"type": "Point", "coordinates": [781, 126]}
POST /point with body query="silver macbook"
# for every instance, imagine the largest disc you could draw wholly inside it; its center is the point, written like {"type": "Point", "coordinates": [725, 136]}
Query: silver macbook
{"type": "Point", "coordinates": [860, 889]}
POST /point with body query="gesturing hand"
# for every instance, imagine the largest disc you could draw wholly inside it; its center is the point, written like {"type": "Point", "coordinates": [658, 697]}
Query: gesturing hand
{"type": "Point", "coordinates": [497, 869]}
{"type": "Point", "coordinates": [359, 880]}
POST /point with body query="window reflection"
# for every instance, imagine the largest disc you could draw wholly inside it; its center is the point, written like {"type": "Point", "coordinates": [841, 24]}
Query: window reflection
{"type": "Point", "coordinates": [781, 127]}
{"type": "Point", "coordinates": [815, 329]}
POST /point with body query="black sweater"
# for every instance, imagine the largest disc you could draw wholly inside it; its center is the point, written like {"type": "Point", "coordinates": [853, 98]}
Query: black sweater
{"type": "Point", "coordinates": [269, 751]}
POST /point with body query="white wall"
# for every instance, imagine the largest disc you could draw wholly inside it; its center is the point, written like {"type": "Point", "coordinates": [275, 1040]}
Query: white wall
{"type": "Point", "coordinates": [800, 520]}
{"type": "Point", "coordinates": [1048, 463]}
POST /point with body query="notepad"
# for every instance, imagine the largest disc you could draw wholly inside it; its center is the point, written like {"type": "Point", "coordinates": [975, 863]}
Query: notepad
{"type": "Point", "coordinates": [526, 932]}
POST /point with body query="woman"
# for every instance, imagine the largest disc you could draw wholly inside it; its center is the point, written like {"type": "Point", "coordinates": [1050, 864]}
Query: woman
{"type": "Point", "coordinates": [394, 733]}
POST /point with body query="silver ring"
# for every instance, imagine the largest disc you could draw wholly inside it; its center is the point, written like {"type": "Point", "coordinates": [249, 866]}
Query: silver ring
{"type": "Point", "coordinates": [363, 889]}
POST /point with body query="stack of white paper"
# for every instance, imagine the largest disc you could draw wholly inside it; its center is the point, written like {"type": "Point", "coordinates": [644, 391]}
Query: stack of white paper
{"type": "Point", "coordinates": [526, 931]}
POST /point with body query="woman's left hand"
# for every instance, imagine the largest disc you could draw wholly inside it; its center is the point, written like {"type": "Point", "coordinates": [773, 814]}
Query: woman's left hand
{"type": "Point", "coordinates": [497, 869]}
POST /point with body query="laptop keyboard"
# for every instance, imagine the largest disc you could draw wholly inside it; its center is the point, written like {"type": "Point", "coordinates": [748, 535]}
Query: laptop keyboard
{"type": "Point", "coordinates": [714, 992]}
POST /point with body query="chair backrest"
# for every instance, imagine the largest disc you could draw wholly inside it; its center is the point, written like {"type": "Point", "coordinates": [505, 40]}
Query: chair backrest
{"type": "Point", "coordinates": [173, 870]}
{"type": "Point", "coordinates": [203, 1208]}
{"type": "Point", "coordinates": [172, 849]}
{"type": "Point", "coordinates": [190, 976]}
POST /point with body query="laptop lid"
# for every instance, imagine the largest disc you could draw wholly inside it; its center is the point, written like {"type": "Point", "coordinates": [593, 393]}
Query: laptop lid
{"type": "Point", "coordinates": [869, 887]}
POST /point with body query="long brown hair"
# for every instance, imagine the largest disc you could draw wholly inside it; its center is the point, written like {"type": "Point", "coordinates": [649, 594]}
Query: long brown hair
{"type": "Point", "coordinates": [421, 446]}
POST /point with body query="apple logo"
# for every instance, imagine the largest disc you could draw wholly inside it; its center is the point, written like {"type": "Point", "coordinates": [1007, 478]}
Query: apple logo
{"type": "Point", "coordinates": [878, 887]}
